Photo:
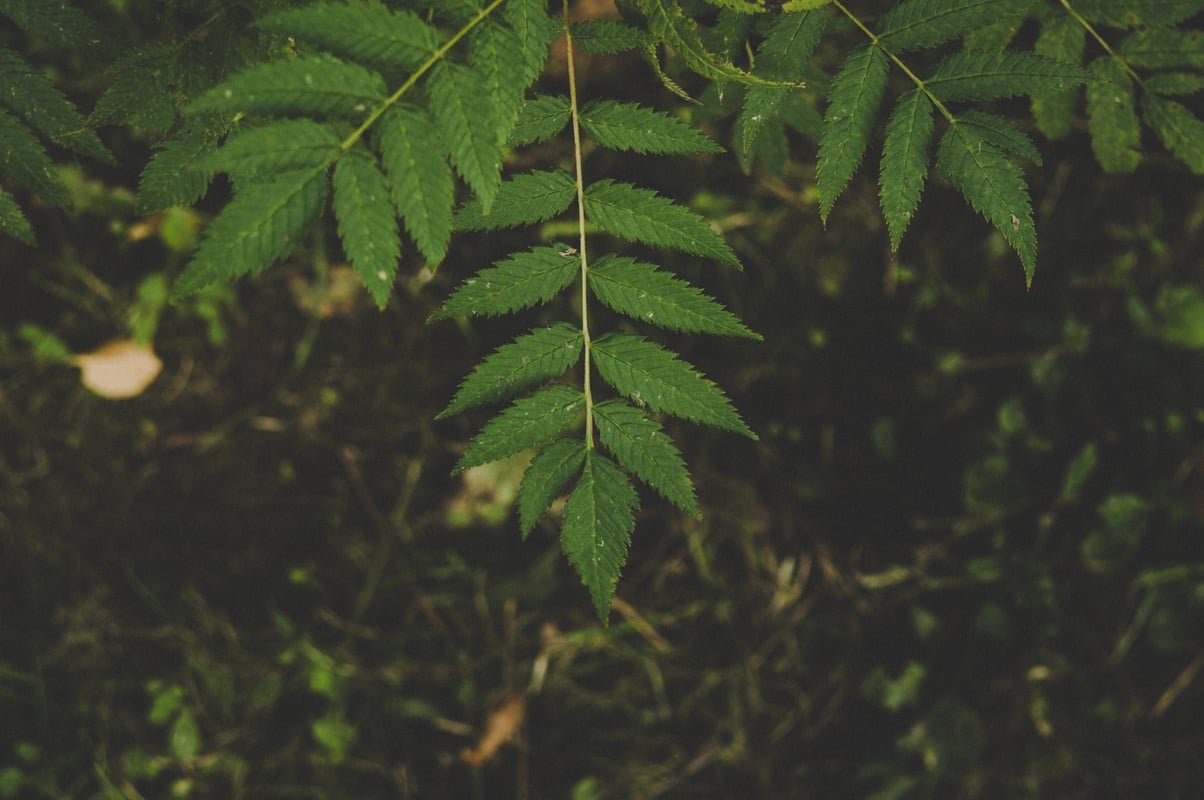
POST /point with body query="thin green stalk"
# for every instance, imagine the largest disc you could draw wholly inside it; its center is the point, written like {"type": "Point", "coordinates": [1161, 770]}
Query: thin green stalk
{"type": "Point", "coordinates": [589, 398]}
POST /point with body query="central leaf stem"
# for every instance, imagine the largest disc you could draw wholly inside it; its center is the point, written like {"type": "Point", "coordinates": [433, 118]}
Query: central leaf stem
{"type": "Point", "coordinates": [589, 398]}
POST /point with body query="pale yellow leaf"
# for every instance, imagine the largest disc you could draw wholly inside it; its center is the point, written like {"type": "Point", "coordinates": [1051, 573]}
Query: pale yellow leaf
{"type": "Point", "coordinates": [119, 369]}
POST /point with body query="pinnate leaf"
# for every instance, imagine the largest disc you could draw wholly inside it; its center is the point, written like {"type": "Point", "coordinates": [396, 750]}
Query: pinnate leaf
{"type": "Point", "coordinates": [598, 521]}
{"type": "Point", "coordinates": [978, 75]}
{"type": "Point", "coordinates": [1127, 14]}
{"type": "Point", "coordinates": [263, 152]}
{"type": "Point", "coordinates": [1162, 48]}
{"type": "Point", "coordinates": [852, 108]}
{"type": "Point", "coordinates": [320, 85]}
{"type": "Point", "coordinates": [173, 176]}
{"type": "Point", "coordinates": [651, 375]}
{"type": "Point", "coordinates": [643, 292]}
{"type": "Point", "coordinates": [904, 165]}
{"type": "Point", "coordinates": [1062, 38]}
{"type": "Point", "coordinates": [641, 215]}
{"type": "Point", "coordinates": [1178, 129]}
{"type": "Point", "coordinates": [30, 95]}
{"type": "Point", "coordinates": [1115, 128]}
{"type": "Point", "coordinates": [999, 132]}
{"type": "Point", "coordinates": [534, 30]}
{"type": "Point", "coordinates": [994, 186]}
{"type": "Point", "coordinates": [12, 221]}
{"type": "Point", "coordinates": [466, 115]}
{"type": "Point", "coordinates": [607, 36]}
{"type": "Point", "coordinates": [359, 30]}
{"type": "Point", "coordinates": [789, 42]}
{"type": "Point", "coordinates": [916, 24]}
{"type": "Point", "coordinates": [549, 472]}
{"type": "Point", "coordinates": [541, 118]}
{"type": "Point", "coordinates": [499, 65]}
{"type": "Point", "coordinates": [520, 281]}
{"type": "Point", "coordinates": [23, 159]}
{"type": "Point", "coordinates": [420, 180]}
{"type": "Point", "coordinates": [642, 447]}
{"type": "Point", "coordinates": [528, 361]}
{"type": "Point", "coordinates": [627, 126]}
{"type": "Point", "coordinates": [527, 422]}
{"type": "Point", "coordinates": [367, 225]}
{"type": "Point", "coordinates": [526, 198]}
{"type": "Point", "coordinates": [260, 225]}
{"type": "Point", "coordinates": [57, 22]}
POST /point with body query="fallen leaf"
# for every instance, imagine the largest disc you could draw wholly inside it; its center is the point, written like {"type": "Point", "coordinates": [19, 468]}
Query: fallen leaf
{"type": "Point", "coordinates": [119, 369]}
{"type": "Point", "coordinates": [501, 726]}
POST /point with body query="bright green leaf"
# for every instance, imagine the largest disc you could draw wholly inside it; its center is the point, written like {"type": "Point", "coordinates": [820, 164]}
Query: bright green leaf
{"type": "Point", "coordinates": [917, 24]}
{"type": "Point", "coordinates": [627, 126]}
{"type": "Point", "coordinates": [852, 109]}
{"type": "Point", "coordinates": [973, 75]}
{"type": "Point", "coordinates": [520, 281]}
{"type": "Point", "coordinates": [545, 478]}
{"type": "Point", "coordinates": [527, 422]}
{"type": "Point", "coordinates": [598, 521]}
{"type": "Point", "coordinates": [321, 85]}
{"type": "Point", "coordinates": [465, 113]}
{"type": "Point", "coordinates": [420, 180]}
{"type": "Point", "coordinates": [362, 30]}
{"type": "Point", "coordinates": [367, 226]}
{"type": "Point", "coordinates": [1178, 129]}
{"type": "Point", "coordinates": [905, 161]}
{"type": "Point", "coordinates": [642, 447]}
{"type": "Point", "coordinates": [527, 198]}
{"type": "Point", "coordinates": [1115, 129]}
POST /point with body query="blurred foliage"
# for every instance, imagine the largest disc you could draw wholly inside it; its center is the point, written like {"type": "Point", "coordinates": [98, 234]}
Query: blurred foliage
{"type": "Point", "coordinates": [965, 559]}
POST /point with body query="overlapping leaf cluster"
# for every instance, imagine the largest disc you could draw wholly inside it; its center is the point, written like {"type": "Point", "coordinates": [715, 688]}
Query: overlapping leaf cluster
{"type": "Point", "coordinates": [547, 410]}
{"type": "Point", "coordinates": [373, 109]}
{"type": "Point", "coordinates": [34, 114]}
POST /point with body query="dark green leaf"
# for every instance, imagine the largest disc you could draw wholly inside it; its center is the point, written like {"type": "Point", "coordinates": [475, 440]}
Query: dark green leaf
{"type": "Point", "coordinates": [1128, 14]}
{"type": "Point", "coordinates": [28, 93]}
{"type": "Point", "coordinates": [971, 75]}
{"type": "Point", "coordinates": [598, 521]}
{"type": "Point", "coordinates": [1178, 129]}
{"type": "Point", "coordinates": [1112, 112]}
{"type": "Point", "coordinates": [25, 161]}
{"type": "Point", "coordinates": [1162, 48]}
{"type": "Point", "coordinates": [905, 161]}
{"type": "Point", "coordinates": [367, 226]}
{"type": "Point", "coordinates": [527, 422]}
{"type": "Point", "coordinates": [499, 67]}
{"type": "Point", "coordinates": [320, 85]}
{"type": "Point", "coordinates": [360, 30]}
{"type": "Point", "coordinates": [652, 376]}
{"type": "Point", "coordinates": [640, 215]}
{"type": "Point", "coordinates": [12, 221]}
{"type": "Point", "coordinates": [999, 132]}
{"type": "Point", "coordinates": [466, 116]}
{"type": "Point", "coordinates": [917, 24]}
{"type": "Point", "coordinates": [260, 225]}
{"type": "Point", "coordinates": [144, 90]}
{"type": "Point", "coordinates": [852, 108]}
{"type": "Point", "coordinates": [627, 126]}
{"type": "Point", "coordinates": [172, 177]}
{"type": "Point", "coordinates": [545, 479]}
{"type": "Point", "coordinates": [58, 22]}
{"type": "Point", "coordinates": [541, 118]}
{"type": "Point", "coordinates": [512, 369]}
{"type": "Point", "coordinates": [1062, 38]}
{"type": "Point", "coordinates": [535, 31]}
{"type": "Point", "coordinates": [263, 152]}
{"type": "Point", "coordinates": [642, 447]}
{"type": "Point", "coordinates": [606, 36]}
{"type": "Point", "coordinates": [420, 180]}
{"type": "Point", "coordinates": [520, 281]}
{"type": "Point", "coordinates": [994, 186]}
{"type": "Point", "coordinates": [526, 198]}
{"type": "Point", "coordinates": [643, 292]}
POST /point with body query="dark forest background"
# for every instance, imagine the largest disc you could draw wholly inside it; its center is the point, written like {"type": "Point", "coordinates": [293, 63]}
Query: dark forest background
{"type": "Point", "coordinates": [964, 560]}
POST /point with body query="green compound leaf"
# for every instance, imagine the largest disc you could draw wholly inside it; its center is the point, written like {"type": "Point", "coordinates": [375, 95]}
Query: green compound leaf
{"type": "Point", "coordinates": [598, 521]}
{"type": "Point", "coordinates": [29, 94]}
{"type": "Point", "coordinates": [904, 165]}
{"type": "Point", "coordinates": [999, 132]}
{"type": "Point", "coordinates": [641, 215]}
{"type": "Point", "coordinates": [541, 118]}
{"type": "Point", "coordinates": [1175, 83]}
{"type": "Point", "coordinates": [853, 103]}
{"type": "Point", "coordinates": [12, 221]}
{"type": "Point", "coordinates": [520, 281]}
{"type": "Point", "coordinates": [535, 31]}
{"type": "Point", "coordinates": [1178, 129]}
{"type": "Point", "coordinates": [367, 225]}
{"type": "Point", "coordinates": [143, 92]}
{"type": "Point", "coordinates": [1062, 38]}
{"type": "Point", "coordinates": [994, 186]}
{"type": "Point", "coordinates": [260, 225]}
{"type": "Point", "coordinates": [261, 153]}
{"type": "Point", "coordinates": [172, 177]}
{"type": "Point", "coordinates": [1127, 14]}
{"type": "Point", "coordinates": [607, 37]}
{"type": "Point", "coordinates": [527, 422]}
{"type": "Point", "coordinates": [524, 199]}
{"type": "Point", "coordinates": [545, 479]}
{"type": "Point", "coordinates": [627, 126]}
{"type": "Point", "coordinates": [916, 24]}
{"type": "Point", "coordinates": [651, 375]}
{"type": "Point", "coordinates": [789, 42]}
{"type": "Point", "coordinates": [465, 114]}
{"type": "Point", "coordinates": [642, 447]}
{"type": "Point", "coordinates": [670, 24]}
{"type": "Point", "coordinates": [25, 161]}
{"type": "Point", "coordinates": [320, 85]}
{"type": "Point", "coordinates": [58, 22]}
{"type": "Point", "coordinates": [359, 30]}
{"type": "Point", "coordinates": [499, 64]}
{"type": "Point", "coordinates": [420, 179]}
{"type": "Point", "coordinates": [975, 75]}
{"type": "Point", "coordinates": [512, 369]}
{"type": "Point", "coordinates": [1163, 48]}
{"type": "Point", "coordinates": [1112, 112]}
{"type": "Point", "coordinates": [643, 292]}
